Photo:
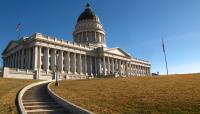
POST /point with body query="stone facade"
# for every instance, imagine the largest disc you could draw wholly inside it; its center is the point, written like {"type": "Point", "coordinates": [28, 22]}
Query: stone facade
{"type": "Point", "coordinates": [87, 56]}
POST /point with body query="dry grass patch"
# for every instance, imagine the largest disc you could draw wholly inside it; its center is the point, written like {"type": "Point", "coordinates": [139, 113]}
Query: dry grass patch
{"type": "Point", "coordinates": [8, 92]}
{"type": "Point", "coordinates": [137, 95]}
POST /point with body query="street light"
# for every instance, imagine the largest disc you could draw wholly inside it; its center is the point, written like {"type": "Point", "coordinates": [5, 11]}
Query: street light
{"type": "Point", "coordinates": [56, 69]}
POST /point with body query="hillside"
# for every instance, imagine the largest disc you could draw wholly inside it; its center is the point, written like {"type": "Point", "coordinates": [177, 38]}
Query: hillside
{"type": "Point", "coordinates": [139, 95]}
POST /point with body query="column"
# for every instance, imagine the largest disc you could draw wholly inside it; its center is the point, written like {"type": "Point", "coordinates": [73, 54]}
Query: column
{"type": "Point", "coordinates": [8, 62]}
{"type": "Point", "coordinates": [22, 59]}
{"type": "Point", "coordinates": [85, 63]}
{"type": "Point", "coordinates": [65, 61]}
{"type": "Point", "coordinates": [35, 57]}
{"type": "Point", "coordinates": [68, 62]}
{"type": "Point", "coordinates": [53, 59]}
{"type": "Point", "coordinates": [16, 59]}
{"type": "Point", "coordinates": [18, 63]}
{"type": "Point", "coordinates": [108, 63]}
{"type": "Point", "coordinates": [115, 66]}
{"type": "Point", "coordinates": [142, 72]}
{"type": "Point", "coordinates": [74, 63]}
{"type": "Point", "coordinates": [13, 60]}
{"type": "Point", "coordinates": [129, 68]}
{"type": "Point", "coordinates": [29, 58]}
{"type": "Point", "coordinates": [46, 59]}
{"type": "Point", "coordinates": [99, 66]}
{"type": "Point", "coordinates": [126, 68]}
{"type": "Point", "coordinates": [104, 66]}
{"type": "Point", "coordinates": [149, 70]}
{"type": "Point", "coordinates": [95, 65]}
{"type": "Point", "coordinates": [120, 68]}
{"type": "Point", "coordinates": [39, 58]}
{"type": "Point", "coordinates": [79, 64]}
{"type": "Point", "coordinates": [26, 58]}
{"type": "Point", "coordinates": [91, 65]}
{"type": "Point", "coordinates": [60, 61]}
{"type": "Point", "coordinates": [112, 65]}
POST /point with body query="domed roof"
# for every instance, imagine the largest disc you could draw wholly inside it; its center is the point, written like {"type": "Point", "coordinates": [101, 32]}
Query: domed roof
{"type": "Point", "coordinates": [87, 14]}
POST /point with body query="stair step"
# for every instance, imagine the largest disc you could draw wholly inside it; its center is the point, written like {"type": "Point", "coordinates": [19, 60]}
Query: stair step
{"type": "Point", "coordinates": [46, 110]}
{"type": "Point", "coordinates": [44, 107]}
{"type": "Point", "coordinates": [34, 106]}
{"type": "Point", "coordinates": [38, 101]}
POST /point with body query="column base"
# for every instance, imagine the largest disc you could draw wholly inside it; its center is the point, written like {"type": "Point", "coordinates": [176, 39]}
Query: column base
{"type": "Point", "coordinates": [68, 72]}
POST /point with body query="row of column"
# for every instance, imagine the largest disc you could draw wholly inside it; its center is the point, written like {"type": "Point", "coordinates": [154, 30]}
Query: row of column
{"type": "Point", "coordinates": [72, 63]}
{"type": "Point", "coordinates": [90, 36]}
{"type": "Point", "coordinates": [110, 66]}
{"type": "Point", "coordinates": [22, 59]}
{"type": "Point", "coordinates": [66, 62]}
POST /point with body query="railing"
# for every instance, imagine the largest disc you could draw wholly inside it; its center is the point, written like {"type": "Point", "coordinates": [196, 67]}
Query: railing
{"type": "Point", "coordinates": [62, 41]}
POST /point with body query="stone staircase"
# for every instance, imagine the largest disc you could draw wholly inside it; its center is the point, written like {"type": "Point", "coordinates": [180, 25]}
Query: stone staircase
{"type": "Point", "coordinates": [36, 100]}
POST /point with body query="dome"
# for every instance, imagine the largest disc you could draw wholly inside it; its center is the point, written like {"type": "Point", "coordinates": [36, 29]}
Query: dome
{"type": "Point", "coordinates": [87, 14]}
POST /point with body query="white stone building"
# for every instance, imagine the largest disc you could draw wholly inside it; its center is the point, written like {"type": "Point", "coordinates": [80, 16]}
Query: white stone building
{"type": "Point", "coordinates": [37, 56]}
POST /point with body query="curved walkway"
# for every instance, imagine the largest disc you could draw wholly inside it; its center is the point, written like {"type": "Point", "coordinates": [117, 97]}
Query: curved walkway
{"type": "Point", "coordinates": [36, 100]}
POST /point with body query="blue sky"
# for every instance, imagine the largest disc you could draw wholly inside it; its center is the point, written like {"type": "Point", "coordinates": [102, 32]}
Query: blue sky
{"type": "Point", "coordinates": [136, 26]}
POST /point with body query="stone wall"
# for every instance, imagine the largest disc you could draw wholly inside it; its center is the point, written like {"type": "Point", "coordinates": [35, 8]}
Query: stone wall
{"type": "Point", "coordinates": [17, 73]}
{"type": "Point", "coordinates": [41, 75]}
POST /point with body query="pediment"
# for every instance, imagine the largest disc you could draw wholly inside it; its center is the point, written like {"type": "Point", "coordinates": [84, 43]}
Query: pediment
{"type": "Point", "coordinates": [118, 51]}
{"type": "Point", "coordinates": [11, 45]}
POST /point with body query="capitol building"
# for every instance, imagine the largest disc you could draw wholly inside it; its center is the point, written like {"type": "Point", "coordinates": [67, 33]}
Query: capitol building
{"type": "Point", "coordinates": [39, 56]}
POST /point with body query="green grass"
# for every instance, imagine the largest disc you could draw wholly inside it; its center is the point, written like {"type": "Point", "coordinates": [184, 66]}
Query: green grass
{"type": "Point", "coordinates": [8, 91]}
{"type": "Point", "coordinates": [178, 94]}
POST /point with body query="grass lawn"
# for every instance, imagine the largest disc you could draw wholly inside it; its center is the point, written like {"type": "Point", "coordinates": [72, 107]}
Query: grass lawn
{"type": "Point", "coordinates": [8, 91]}
{"type": "Point", "coordinates": [178, 94]}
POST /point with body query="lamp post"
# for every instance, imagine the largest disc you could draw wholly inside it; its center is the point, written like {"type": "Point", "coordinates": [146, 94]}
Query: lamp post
{"type": "Point", "coordinates": [56, 70]}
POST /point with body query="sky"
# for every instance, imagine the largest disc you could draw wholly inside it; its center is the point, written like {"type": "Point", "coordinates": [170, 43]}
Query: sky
{"type": "Point", "coordinates": [136, 26]}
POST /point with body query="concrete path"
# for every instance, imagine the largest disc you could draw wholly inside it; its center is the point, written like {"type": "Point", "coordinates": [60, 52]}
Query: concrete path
{"type": "Point", "coordinates": [36, 100]}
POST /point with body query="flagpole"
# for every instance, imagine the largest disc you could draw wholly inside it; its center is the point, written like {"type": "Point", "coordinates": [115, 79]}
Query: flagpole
{"type": "Point", "coordinates": [166, 62]}
{"type": "Point", "coordinates": [163, 46]}
{"type": "Point", "coordinates": [18, 29]}
{"type": "Point", "coordinates": [19, 34]}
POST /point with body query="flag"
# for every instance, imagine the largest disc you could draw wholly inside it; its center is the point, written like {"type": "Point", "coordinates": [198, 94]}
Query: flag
{"type": "Point", "coordinates": [18, 28]}
{"type": "Point", "coordinates": [163, 46]}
